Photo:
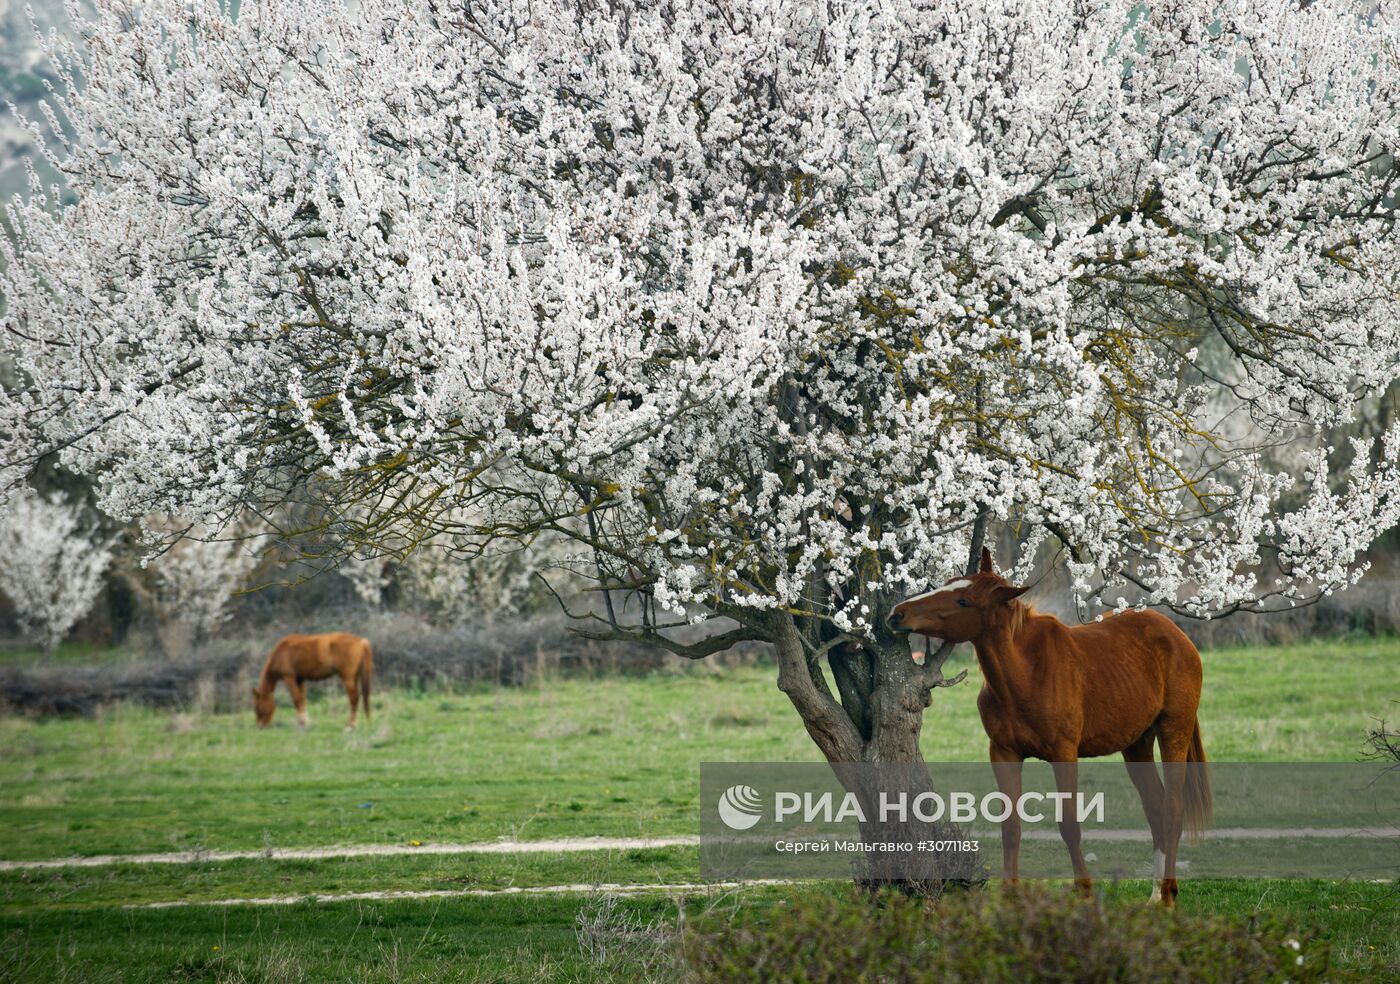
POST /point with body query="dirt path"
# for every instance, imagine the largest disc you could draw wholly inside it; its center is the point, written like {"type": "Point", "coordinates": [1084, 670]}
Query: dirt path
{"type": "Point", "coordinates": [603, 888]}
{"type": "Point", "coordinates": [570, 845]}
{"type": "Point", "coordinates": [562, 845]}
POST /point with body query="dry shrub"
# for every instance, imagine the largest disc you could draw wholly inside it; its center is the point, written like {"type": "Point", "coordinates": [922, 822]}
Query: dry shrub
{"type": "Point", "coordinates": [195, 681]}
{"type": "Point", "coordinates": [408, 652]}
{"type": "Point", "coordinates": [510, 651]}
{"type": "Point", "coordinates": [1382, 743]}
{"type": "Point", "coordinates": [611, 935]}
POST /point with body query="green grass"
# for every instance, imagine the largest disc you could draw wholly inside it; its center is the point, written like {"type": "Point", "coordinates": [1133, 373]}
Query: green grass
{"type": "Point", "coordinates": [612, 756]}
{"type": "Point", "coordinates": [1308, 702]}
{"type": "Point", "coordinates": [512, 939]}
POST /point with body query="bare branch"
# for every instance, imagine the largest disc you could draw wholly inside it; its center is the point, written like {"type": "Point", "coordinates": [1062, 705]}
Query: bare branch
{"type": "Point", "coordinates": [698, 650]}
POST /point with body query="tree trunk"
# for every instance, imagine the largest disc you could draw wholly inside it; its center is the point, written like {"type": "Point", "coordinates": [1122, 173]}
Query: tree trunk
{"type": "Point", "coordinates": [871, 739]}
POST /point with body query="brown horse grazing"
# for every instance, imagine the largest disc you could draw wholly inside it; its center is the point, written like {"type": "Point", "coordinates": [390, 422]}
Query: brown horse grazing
{"type": "Point", "coordinates": [298, 658]}
{"type": "Point", "coordinates": [1058, 692]}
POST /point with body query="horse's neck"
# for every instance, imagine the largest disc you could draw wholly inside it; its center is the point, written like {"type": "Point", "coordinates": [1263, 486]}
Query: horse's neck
{"type": "Point", "coordinates": [1004, 665]}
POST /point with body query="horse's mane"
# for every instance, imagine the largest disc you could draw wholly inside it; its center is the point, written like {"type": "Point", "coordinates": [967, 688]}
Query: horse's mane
{"type": "Point", "coordinates": [1020, 611]}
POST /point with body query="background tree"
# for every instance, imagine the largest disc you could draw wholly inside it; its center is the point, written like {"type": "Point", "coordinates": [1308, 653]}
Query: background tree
{"type": "Point", "coordinates": [368, 576]}
{"type": "Point", "coordinates": [196, 580]}
{"type": "Point", "coordinates": [52, 563]}
{"type": "Point", "coordinates": [447, 572]}
{"type": "Point", "coordinates": [450, 585]}
{"type": "Point", "coordinates": [774, 307]}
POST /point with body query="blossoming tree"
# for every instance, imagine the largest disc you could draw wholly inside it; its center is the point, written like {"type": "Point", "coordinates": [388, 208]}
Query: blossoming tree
{"type": "Point", "coordinates": [197, 579]}
{"type": "Point", "coordinates": [52, 563]}
{"type": "Point", "coordinates": [773, 306]}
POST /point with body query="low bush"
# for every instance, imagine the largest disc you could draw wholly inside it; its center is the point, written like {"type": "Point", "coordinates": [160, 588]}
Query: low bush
{"type": "Point", "coordinates": [211, 678]}
{"type": "Point", "coordinates": [506, 650]}
{"type": "Point", "coordinates": [1033, 934]}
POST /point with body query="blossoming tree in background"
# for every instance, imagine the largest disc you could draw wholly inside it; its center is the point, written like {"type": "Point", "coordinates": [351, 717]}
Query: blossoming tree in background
{"type": "Point", "coordinates": [774, 307]}
{"type": "Point", "coordinates": [449, 577]}
{"type": "Point", "coordinates": [196, 580]}
{"type": "Point", "coordinates": [51, 564]}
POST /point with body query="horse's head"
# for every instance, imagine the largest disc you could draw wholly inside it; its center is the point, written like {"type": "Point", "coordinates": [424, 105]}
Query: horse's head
{"type": "Point", "coordinates": [263, 705]}
{"type": "Point", "coordinates": [961, 609]}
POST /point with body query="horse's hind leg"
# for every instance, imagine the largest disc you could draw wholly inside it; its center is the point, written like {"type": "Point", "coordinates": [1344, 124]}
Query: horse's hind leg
{"type": "Point", "coordinates": [1174, 742]}
{"type": "Point", "coordinates": [352, 693]}
{"type": "Point", "coordinates": [1143, 771]}
{"type": "Point", "coordinates": [1067, 782]}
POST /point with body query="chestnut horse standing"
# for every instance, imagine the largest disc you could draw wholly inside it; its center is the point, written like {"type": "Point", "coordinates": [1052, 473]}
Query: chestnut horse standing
{"type": "Point", "coordinates": [1059, 693]}
{"type": "Point", "coordinates": [298, 658]}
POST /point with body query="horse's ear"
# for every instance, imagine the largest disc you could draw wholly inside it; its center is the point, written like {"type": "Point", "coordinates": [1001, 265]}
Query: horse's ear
{"type": "Point", "coordinates": [1004, 593]}
{"type": "Point", "coordinates": [987, 567]}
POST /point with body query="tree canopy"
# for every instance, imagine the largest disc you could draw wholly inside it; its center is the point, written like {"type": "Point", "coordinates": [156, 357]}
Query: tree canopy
{"type": "Point", "coordinates": [770, 306]}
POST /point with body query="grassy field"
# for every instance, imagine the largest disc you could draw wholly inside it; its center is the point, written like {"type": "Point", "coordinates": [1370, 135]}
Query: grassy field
{"type": "Point", "coordinates": [613, 756]}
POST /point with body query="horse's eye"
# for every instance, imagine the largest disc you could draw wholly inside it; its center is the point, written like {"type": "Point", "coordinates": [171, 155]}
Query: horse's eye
{"type": "Point", "coordinates": [963, 603]}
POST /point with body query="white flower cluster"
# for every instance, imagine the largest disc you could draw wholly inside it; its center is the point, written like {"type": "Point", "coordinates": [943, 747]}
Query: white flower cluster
{"type": "Point", "coordinates": [778, 295]}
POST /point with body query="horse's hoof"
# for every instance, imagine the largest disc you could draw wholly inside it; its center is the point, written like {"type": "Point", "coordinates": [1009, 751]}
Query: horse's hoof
{"type": "Point", "coordinates": [349, 728]}
{"type": "Point", "coordinates": [1085, 887]}
{"type": "Point", "coordinates": [1164, 893]}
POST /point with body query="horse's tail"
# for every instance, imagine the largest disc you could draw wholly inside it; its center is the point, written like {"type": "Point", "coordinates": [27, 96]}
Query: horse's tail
{"type": "Point", "coordinates": [366, 671]}
{"type": "Point", "coordinates": [1198, 802]}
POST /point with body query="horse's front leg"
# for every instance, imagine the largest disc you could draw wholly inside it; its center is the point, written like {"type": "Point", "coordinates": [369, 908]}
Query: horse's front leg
{"type": "Point", "coordinates": [299, 699]}
{"type": "Point", "coordinates": [1067, 782]}
{"type": "Point", "coordinates": [1006, 765]}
